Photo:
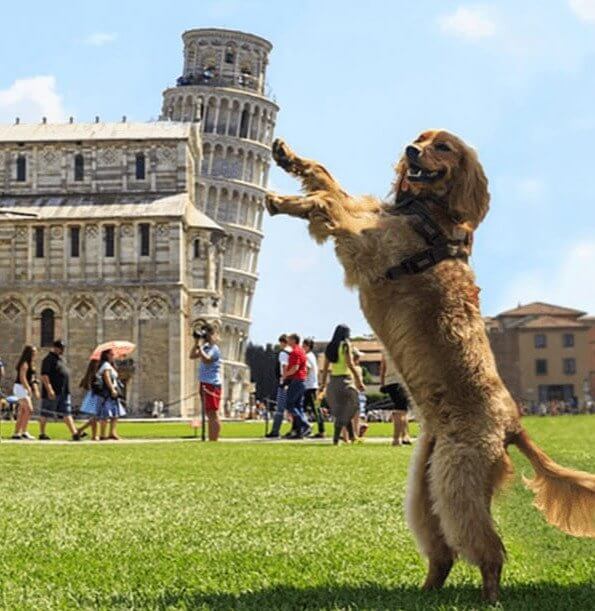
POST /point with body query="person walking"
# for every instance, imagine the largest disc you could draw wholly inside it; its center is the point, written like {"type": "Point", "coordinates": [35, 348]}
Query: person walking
{"type": "Point", "coordinates": [393, 385]}
{"type": "Point", "coordinates": [209, 376]}
{"type": "Point", "coordinates": [25, 389]}
{"type": "Point", "coordinates": [55, 392]}
{"type": "Point", "coordinates": [310, 403]}
{"type": "Point", "coordinates": [295, 378]}
{"type": "Point", "coordinates": [360, 426]}
{"type": "Point", "coordinates": [91, 400]}
{"type": "Point", "coordinates": [345, 382]}
{"type": "Point", "coordinates": [109, 407]}
{"type": "Point", "coordinates": [280, 369]}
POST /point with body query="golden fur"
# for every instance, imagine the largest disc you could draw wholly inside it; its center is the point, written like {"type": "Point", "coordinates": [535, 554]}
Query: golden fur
{"type": "Point", "coordinates": [432, 327]}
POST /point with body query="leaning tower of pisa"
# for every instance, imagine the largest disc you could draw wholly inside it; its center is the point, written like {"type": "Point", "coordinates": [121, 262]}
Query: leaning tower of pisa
{"type": "Point", "coordinates": [223, 86]}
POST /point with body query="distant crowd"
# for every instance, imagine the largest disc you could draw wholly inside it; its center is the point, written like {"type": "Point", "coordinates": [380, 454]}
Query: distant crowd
{"type": "Point", "coordinates": [337, 391]}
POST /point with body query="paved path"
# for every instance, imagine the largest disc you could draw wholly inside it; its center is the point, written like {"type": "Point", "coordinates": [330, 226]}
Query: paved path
{"type": "Point", "coordinates": [144, 440]}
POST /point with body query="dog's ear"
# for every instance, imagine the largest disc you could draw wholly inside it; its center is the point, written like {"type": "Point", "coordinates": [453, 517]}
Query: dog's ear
{"type": "Point", "coordinates": [469, 198]}
{"type": "Point", "coordinates": [401, 185]}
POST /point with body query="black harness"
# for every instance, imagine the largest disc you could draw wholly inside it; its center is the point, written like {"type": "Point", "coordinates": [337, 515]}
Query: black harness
{"type": "Point", "coordinates": [440, 246]}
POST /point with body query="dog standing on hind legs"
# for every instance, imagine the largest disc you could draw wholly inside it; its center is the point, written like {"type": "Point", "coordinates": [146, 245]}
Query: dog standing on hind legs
{"type": "Point", "coordinates": [417, 291]}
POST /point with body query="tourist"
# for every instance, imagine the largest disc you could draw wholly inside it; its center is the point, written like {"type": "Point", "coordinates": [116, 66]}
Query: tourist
{"type": "Point", "coordinates": [2, 373]}
{"type": "Point", "coordinates": [360, 426]}
{"type": "Point", "coordinates": [295, 378]}
{"type": "Point", "coordinates": [25, 389]}
{"type": "Point", "coordinates": [280, 369]}
{"type": "Point", "coordinates": [209, 375]}
{"type": "Point", "coordinates": [345, 382]}
{"type": "Point", "coordinates": [91, 400]}
{"type": "Point", "coordinates": [55, 392]}
{"type": "Point", "coordinates": [310, 403]}
{"type": "Point", "coordinates": [109, 406]}
{"type": "Point", "coordinates": [392, 384]}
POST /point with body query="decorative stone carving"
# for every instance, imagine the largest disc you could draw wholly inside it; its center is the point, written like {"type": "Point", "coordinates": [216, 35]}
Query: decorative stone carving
{"type": "Point", "coordinates": [108, 156]}
{"type": "Point", "coordinates": [162, 229]}
{"type": "Point", "coordinates": [22, 233]}
{"type": "Point", "coordinates": [91, 231]}
{"type": "Point", "coordinates": [56, 232]}
{"type": "Point", "coordinates": [82, 309]}
{"type": "Point", "coordinates": [126, 230]}
{"type": "Point", "coordinates": [118, 309]}
{"type": "Point", "coordinates": [154, 308]}
{"type": "Point", "coordinates": [11, 310]}
{"type": "Point", "coordinates": [166, 156]}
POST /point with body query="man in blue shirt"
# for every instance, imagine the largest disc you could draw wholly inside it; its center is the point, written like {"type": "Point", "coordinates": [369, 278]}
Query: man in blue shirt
{"type": "Point", "coordinates": [209, 376]}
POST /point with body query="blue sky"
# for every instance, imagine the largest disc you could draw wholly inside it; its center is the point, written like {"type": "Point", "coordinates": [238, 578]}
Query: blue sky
{"type": "Point", "coordinates": [356, 82]}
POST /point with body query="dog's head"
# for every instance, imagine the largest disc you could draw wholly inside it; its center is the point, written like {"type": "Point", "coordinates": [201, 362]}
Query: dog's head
{"type": "Point", "coordinates": [440, 165]}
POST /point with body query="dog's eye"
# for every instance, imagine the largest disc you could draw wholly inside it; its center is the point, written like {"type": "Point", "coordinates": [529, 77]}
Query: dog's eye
{"type": "Point", "coordinates": [441, 146]}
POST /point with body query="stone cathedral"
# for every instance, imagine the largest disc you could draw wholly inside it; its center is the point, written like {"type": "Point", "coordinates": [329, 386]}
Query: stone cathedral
{"type": "Point", "coordinates": [142, 231]}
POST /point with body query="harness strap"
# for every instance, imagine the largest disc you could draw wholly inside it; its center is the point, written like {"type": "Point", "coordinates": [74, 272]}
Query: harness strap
{"type": "Point", "coordinates": [440, 246]}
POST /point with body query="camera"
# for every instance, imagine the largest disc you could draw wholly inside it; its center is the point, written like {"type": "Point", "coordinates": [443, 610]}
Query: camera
{"type": "Point", "coordinates": [203, 332]}
{"type": "Point", "coordinates": [199, 333]}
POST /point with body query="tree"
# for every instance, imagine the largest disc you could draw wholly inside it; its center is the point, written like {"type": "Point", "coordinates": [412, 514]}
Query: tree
{"type": "Point", "coordinates": [262, 362]}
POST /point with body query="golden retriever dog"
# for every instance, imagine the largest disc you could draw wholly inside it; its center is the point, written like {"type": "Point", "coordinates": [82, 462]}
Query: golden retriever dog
{"type": "Point", "coordinates": [417, 291]}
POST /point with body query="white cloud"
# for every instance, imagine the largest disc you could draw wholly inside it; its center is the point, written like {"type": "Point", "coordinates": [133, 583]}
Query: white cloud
{"type": "Point", "coordinates": [99, 39]}
{"type": "Point", "coordinates": [569, 284]}
{"type": "Point", "coordinates": [30, 99]}
{"type": "Point", "coordinates": [469, 22]}
{"type": "Point", "coordinates": [583, 9]}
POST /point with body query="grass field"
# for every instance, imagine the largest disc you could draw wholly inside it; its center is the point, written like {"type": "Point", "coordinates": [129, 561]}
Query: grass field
{"type": "Point", "coordinates": [253, 526]}
{"type": "Point", "coordinates": [163, 429]}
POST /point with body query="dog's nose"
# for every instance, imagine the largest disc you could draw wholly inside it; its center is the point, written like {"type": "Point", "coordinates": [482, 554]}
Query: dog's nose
{"type": "Point", "coordinates": [412, 152]}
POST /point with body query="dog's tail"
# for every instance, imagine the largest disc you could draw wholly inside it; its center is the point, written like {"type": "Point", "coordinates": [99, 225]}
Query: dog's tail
{"type": "Point", "coordinates": [564, 496]}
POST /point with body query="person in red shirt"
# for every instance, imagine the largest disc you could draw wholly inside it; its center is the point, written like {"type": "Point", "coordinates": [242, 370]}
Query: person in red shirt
{"type": "Point", "coordinates": [295, 375]}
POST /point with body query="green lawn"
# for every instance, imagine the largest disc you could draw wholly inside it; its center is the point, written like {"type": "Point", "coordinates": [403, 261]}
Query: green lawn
{"type": "Point", "coordinates": [164, 429]}
{"type": "Point", "coordinates": [252, 526]}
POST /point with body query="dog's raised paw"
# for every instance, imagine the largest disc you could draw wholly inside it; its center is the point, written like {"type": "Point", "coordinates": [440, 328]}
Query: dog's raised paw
{"type": "Point", "coordinates": [270, 201]}
{"type": "Point", "coordinates": [282, 154]}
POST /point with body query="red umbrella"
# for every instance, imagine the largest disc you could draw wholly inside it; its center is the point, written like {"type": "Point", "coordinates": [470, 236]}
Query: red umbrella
{"type": "Point", "coordinates": [121, 349]}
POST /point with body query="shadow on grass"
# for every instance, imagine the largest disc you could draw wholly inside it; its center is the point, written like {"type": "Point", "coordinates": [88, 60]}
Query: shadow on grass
{"type": "Point", "coordinates": [542, 596]}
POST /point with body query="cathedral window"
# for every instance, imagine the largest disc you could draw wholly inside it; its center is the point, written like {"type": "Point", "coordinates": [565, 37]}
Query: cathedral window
{"type": "Point", "coordinates": [75, 242]}
{"type": "Point", "coordinates": [79, 167]}
{"type": "Point", "coordinates": [48, 327]}
{"type": "Point", "coordinates": [109, 239]}
{"type": "Point", "coordinates": [140, 166]}
{"type": "Point", "coordinates": [21, 168]}
{"type": "Point", "coordinates": [144, 234]}
{"type": "Point", "coordinates": [39, 236]}
{"type": "Point", "coordinates": [197, 248]}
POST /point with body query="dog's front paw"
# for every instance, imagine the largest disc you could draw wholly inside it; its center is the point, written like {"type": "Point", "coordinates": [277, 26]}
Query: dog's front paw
{"type": "Point", "coordinates": [282, 154]}
{"type": "Point", "coordinates": [270, 201]}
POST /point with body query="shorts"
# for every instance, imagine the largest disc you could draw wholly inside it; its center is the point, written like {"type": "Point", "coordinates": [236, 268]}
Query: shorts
{"type": "Point", "coordinates": [18, 390]}
{"type": "Point", "coordinates": [56, 408]}
{"type": "Point", "coordinates": [398, 396]}
{"type": "Point", "coordinates": [211, 396]}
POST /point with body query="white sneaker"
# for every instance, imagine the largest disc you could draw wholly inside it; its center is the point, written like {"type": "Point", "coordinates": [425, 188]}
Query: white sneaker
{"type": "Point", "coordinates": [27, 436]}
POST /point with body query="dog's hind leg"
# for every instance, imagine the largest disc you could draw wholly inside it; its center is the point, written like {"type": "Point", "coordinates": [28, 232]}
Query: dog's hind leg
{"type": "Point", "coordinates": [314, 176]}
{"type": "Point", "coordinates": [423, 521]}
{"type": "Point", "coordinates": [461, 485]}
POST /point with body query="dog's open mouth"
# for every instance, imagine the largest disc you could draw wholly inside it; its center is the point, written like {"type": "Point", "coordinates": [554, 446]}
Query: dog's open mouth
{"type": "Point", "coordinates": [416, 173]}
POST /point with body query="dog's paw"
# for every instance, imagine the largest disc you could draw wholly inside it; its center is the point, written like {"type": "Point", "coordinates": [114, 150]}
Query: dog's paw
{"type": "Point", "coordinates": [282, 154]}
{"type": "Point", "coordinates": [270, 201]}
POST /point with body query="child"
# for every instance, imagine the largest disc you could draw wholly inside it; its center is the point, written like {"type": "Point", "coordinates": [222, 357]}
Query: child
{"type": "Point", "coordinates": [91, 400]}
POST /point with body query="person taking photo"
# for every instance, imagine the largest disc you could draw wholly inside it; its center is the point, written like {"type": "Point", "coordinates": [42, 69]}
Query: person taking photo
{"type": "Point", "coordinates": [207, 351]}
